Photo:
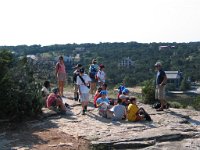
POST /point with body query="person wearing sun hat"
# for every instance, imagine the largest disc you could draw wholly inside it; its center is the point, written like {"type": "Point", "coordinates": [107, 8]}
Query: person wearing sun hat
{"type": "Point", "coordinates": [161, 80]}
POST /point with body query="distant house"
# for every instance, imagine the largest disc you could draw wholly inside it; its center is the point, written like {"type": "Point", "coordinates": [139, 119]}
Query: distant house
{"type": "Point", "coordinates": [79, 49]}
{"type": "Point", "coordinates": [126, 62]}
{"type": "Point", "coordinates": [165, 47]}
{"type": "Point", "coordinates": [174, 77]}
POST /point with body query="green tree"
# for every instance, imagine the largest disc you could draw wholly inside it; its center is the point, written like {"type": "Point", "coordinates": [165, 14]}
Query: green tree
{"type": "Point", "coordinates": [20, 95]}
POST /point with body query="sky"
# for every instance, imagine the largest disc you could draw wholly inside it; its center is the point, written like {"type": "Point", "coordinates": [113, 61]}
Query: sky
{"type": "Point", "coordinates": [48, 22]}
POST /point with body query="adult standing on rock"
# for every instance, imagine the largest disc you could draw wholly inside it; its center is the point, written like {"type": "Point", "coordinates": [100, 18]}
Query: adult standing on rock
{"type": "Point", "coordinates": [83, 82]}
{"type": "Point", "coordinates": [61, 75]}
{"type": "Point", "coordinates": [161, 80]}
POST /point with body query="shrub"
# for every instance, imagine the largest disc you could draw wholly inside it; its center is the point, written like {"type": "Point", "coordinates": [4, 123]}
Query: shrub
{"type": "Point", "coordinates": [170, 87]}
{"type": "Point", "coordinates": [196, 103]}
{"type": "Point", "coordinates": [20, 95]}
{"type": "Point", "coordinates": [148, 92]}
{"type": "Point", "coordinates": [185, 85]}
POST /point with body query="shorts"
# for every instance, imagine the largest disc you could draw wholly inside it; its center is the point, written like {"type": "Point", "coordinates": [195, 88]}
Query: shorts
{"type": "Point", "coordinates": [160, 92]}
{"type": "Point", "coordinates": [84, 97]}
{"type": "Point", "coordinates": [61, 76]}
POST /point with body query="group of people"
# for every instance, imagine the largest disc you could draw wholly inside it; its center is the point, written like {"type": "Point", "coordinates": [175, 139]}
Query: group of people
{"type": "Point", "coordinates": [94, 83]}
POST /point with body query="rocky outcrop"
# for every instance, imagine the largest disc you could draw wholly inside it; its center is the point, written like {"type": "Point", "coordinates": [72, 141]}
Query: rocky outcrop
{"type": "Point", "coordinates": [171, 129]}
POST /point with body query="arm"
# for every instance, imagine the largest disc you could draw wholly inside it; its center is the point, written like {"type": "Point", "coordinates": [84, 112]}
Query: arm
{"type": "Point", "coordinates": [164, 81]}
{"type": "Point", "coordinates": [57, 68]}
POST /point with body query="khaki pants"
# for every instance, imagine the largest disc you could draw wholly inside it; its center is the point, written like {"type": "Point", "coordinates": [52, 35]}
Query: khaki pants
{"type": "Point", "coordinates": [160, 92]}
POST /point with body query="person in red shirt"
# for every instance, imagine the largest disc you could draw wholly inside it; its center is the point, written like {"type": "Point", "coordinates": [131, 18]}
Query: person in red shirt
{"type": "Point", "coordinates": [54, 100]}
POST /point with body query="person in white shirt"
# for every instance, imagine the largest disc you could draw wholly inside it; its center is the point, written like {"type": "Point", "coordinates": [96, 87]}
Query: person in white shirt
{"type": "Point", "coordinates": [101, 75]}
{"type": "Point", "coordinates": [83, 82]}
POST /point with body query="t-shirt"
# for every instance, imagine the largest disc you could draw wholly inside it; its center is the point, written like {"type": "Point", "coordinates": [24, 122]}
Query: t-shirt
{"type": "Point", "coordinates": [121, 88]}
{"type": "Point", "coordinates": [101, 75]}
{"type": "Point", "coordinates": [105, 102]}
{"type": "Point", "coordinates": [119, 111]}
{"type": "Point", "coordinates": [45, 91]}
{"type": "Point", "coordinates": [160, 76]}
{"type": "Point", "coordinates": [61, 67]}
{"type": "Point", "coordinates": [83, 87]}
{"type": "Point", "coordinates": [51, 98]}
{"type": "Point", "coordinates": [132, 110]}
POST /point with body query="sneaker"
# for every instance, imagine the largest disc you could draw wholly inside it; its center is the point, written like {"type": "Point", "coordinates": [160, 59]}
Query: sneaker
{"type": "Point", "coordinates": [83, 112]}
{"type": "Point", "coordinates": [85, 108]}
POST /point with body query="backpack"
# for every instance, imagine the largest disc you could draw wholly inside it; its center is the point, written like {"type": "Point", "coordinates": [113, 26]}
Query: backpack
{"type": "Point", "coordinates": [93, 72]}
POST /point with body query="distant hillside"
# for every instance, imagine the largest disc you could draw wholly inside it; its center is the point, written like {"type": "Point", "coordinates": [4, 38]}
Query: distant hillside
{"type": "Point", "coordinates": [131, 61]}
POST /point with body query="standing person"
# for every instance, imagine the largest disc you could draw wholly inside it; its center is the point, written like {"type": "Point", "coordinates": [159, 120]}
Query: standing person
{"type": "Point", "coordinates": [75, 74]}
{"type": "Point", "coordinates": [161, 80]}
{"type": "Point", "coordinates": [93, 69]}
{"type": "Point", "coordinates": [101, 76]}
{"type": "Point", "coordinates": [83, 81]}
{"type": "Point", "coordinates": [61, 75]}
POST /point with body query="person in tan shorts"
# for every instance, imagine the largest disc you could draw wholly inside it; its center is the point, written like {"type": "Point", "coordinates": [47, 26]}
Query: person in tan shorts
{"type": "Point", "coordinates": [161, 80]}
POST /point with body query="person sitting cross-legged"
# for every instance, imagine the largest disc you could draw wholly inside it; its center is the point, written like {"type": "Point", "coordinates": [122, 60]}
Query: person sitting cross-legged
{"type": "Point", "coordinates": [103, 104]}
{"type": "Point", "coordinates": [136, 114]}
{"type": "Point", "coordinates": [54, 100]}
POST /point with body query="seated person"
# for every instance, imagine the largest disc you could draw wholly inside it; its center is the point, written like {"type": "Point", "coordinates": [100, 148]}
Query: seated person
{"type": "Point", "coordinates": [103, 104]}
{"type": "Point", "coordinates": [97, 94]}
{"type": "Point", "coordinates": [54, 100]}
{"type": "Point", "coordinates": [45, 89]}
{"type": "Point", "coordinates": [136, 114]}
{"type": "Point", "coordinates": [119, 111]}
{"type": "Point", "coordinates": [124, 100]}
{"type": "Point", "coordinates": [120, 89]}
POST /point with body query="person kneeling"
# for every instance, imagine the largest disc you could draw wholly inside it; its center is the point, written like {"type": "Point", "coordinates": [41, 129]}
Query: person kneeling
{"type": "Point", "coordinates": [103, 104]}
{"type": "Point", "coordinates": [54, 100]}
{"type": "Point", "coordinates": [136, 114]}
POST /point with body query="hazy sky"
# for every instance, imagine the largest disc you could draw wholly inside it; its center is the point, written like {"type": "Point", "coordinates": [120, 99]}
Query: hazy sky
{"type": "Point", "coordinates": [49, 22]}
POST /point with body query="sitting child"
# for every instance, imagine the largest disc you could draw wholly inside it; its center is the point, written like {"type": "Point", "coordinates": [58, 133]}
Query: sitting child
{"type": "Point", "coordinates": [54, 100]}
{"type": "Point", "coordinates": [136, 114]}
{"type": "Point", "coordinates": [45, 89]}
{"type": "Point", "coordinates": [120, 89]}
{"type": "Point", "coordinates": [97, 94]}
{"type": "Point", "coordinates": [119, 111]}
{"type": "Point", "coordinates": [103, 104]}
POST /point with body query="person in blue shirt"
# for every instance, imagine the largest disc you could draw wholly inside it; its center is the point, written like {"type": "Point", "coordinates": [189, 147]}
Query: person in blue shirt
{"type": "Point", "coordinates": [103, 104]}
{"type": "Point", "coordinates": [161, 80]}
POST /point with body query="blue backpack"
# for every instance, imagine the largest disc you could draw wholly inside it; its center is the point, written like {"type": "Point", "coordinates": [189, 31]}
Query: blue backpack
{"type": "Point", "coordinates": [93, 72]}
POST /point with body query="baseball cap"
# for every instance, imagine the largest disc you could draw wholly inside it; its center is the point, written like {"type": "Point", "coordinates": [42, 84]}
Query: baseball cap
{"type": "Point", "coordinates": [55, 90]}
{"type": "Point", "coordinates": [125, 91]}
{"type": "Point", "coordinates": [123, 97]}
{"type": "Point", "coordinates": [103, 92]}
{"type": "Point", "coordinates": [158, 64]}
